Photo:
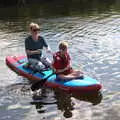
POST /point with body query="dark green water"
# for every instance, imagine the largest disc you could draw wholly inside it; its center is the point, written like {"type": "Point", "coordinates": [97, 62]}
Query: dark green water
{"type": "Point", "coordinates": [92, 29]}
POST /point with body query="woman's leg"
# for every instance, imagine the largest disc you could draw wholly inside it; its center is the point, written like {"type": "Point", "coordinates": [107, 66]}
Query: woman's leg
{"type": "Point", "coordinates": [46, 61]}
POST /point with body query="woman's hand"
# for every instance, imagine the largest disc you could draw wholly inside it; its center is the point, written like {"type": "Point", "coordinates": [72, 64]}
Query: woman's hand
{"type": "Point", "coordinates": [28, 52]}
{"type": "Point", "coordinates": [48, 50]}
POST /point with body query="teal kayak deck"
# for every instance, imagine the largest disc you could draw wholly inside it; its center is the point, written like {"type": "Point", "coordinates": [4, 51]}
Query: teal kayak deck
{"type": "Point", "coordinates": [87, 83]}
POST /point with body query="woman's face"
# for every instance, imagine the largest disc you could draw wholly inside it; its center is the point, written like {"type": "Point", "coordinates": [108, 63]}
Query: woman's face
{"type": "Point", "coordinates": [34, 30]}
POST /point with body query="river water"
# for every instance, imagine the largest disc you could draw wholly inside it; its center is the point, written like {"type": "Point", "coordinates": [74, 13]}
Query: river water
{"type": "Point", "coordinates": [93, 32]}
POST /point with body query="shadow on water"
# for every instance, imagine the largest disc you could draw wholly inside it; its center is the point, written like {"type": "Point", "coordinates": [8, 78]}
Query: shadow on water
{"type": "Point", "coordinates": [45, 100]}
{"type": "Point", "coordinates": [63, 100]}
{"type": "Point", "coordinates": [57, 8]}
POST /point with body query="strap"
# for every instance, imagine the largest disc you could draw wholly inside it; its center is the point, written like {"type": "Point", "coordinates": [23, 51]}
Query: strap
{"type": "Point", "coordinates": [17, 60]}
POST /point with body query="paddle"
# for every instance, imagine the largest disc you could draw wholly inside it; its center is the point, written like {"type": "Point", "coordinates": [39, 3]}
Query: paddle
{"type": "Point", "coordinates": [40, 83]}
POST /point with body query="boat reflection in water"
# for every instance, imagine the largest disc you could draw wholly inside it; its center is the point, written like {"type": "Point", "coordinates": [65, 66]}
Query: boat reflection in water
{"type": "Point", "coordinates": [63, 100]}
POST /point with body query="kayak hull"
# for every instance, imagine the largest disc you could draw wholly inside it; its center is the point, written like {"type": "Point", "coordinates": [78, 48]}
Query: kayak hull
{"type": "Point", "coordinates": [16, 63]}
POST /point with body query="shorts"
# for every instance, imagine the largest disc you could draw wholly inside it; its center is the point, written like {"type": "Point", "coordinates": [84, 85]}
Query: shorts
{"type": "Point", "coordinates": [35, 65]}
{"type": "Point", "coordinates": [45, 61]}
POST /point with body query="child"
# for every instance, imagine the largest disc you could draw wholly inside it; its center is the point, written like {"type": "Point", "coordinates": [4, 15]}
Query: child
{"type": "Point", "coordinates": [61, 64]}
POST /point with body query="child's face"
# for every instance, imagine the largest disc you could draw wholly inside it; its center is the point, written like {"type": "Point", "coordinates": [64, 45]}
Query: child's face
{"type": "Point", "coordinates": [63, 51]}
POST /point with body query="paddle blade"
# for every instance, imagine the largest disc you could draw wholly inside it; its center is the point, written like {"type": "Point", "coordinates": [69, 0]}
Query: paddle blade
{"type": "Point", "coordinates": [38, 84]}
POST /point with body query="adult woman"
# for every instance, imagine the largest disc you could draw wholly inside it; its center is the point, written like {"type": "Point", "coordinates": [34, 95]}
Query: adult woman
{"type": "Point", "coordinates": [34, 44]}
{"type": "Point", "coordinates": [61, 64]}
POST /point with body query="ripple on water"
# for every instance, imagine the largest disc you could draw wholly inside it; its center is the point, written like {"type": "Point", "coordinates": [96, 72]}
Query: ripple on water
{"type": "Point", "coordinates": [93, 46]}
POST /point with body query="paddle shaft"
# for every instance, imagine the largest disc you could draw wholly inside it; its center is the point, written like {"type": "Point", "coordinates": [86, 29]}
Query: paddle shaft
{"type": "Point", "coordinates": [40, 83]}
{"type": "Point", "coordinates": [47, 77]}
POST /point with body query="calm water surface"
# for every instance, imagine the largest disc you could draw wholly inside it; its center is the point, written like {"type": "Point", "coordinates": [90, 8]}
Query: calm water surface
{"type": "Point", "coordinates": [94, 37]}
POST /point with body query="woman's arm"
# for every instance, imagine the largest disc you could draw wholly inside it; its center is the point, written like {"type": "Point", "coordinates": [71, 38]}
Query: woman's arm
{"type": "Point", "coordinates": [31, 52]}
{"type": "Point", "coordinates": [48, 50]}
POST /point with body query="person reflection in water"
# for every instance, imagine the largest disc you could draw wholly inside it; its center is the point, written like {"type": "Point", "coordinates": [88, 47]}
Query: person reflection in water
{"type": "Point", "coordinates": [63, 100]}
{"type": "Point", "coordinates": [65, 105]}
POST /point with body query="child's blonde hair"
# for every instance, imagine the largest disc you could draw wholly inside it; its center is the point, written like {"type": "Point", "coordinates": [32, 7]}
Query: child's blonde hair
{"type": "Point", "coordinates": [63, 45]}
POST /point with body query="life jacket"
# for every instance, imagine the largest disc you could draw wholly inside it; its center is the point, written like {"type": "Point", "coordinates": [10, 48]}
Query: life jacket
{"type": "Point", "coordinates": [61, 62]}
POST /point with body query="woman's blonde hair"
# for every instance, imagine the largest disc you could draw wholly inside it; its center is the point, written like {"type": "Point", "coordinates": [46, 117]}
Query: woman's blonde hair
{"type": "Point", "coordinates": [34, 25]}
{"type": "Point", "coordinates": [63, 45]}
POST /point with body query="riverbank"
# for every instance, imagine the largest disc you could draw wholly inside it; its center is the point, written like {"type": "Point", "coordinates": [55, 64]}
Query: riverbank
{"type": "Point", "coordinates": [77, 2]}
{"type": "Point", "coordinates": [20, 2]}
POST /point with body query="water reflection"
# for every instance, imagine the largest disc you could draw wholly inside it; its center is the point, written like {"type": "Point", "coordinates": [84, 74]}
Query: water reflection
{"type": "Point", "coordinates": [64, 103]}
{"type": "Point", "coordinates": [92, 28]}
{"type": "Point", "coordinates": [61, 8]}
{"type": "Point", "coordinates": [63, 100]}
